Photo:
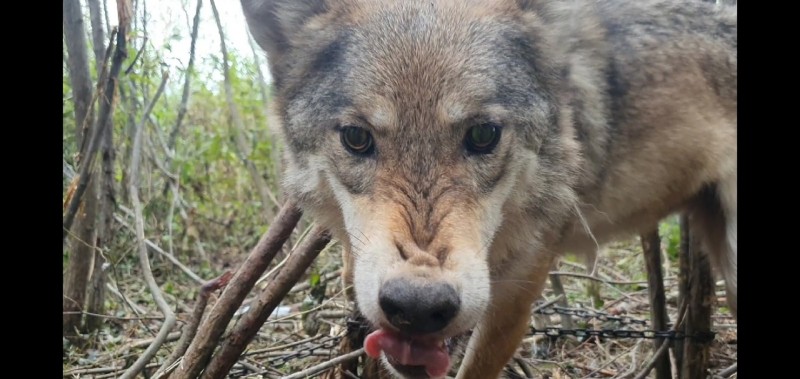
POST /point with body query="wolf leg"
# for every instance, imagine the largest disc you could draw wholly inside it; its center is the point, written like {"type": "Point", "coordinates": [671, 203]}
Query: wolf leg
{"type": "Point", "coordinates": [714, 216]}
{"type": "Point", "coordinates": [498, 335]}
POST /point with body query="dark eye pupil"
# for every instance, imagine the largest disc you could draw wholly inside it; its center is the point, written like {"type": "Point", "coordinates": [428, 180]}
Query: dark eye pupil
{"type": "Point", "coordinates": [483, 135]}
{"type": "Point", "coordinates": [356, 139]}
{"type": "Point", "coordinates": [481, 139]}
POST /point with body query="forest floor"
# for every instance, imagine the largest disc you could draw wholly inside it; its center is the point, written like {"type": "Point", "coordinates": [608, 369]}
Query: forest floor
{"type": "Point", "coordinates": [308, 326]}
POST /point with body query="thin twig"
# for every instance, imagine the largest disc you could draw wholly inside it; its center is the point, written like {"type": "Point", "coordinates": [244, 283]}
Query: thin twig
{"type": "Point", "coordinates": [283, 262]}
{"type": "Point", "coordinates": [161, 251]}
{"type": "Point", "coordinates": [598, 279]}
{"type": "Point", "coordinates": [324, 278]}
{"type": "Point", "coordinates": [325, 365]}
{"type": "Point", "coordinates": [86, 371]}
{"type": "Point", "coordinates": [547, 304]}
{"type": "Point", "coordinates": [728, 371]}
{"type": "Point", "coordinates": [524, 367]}
{"type": "Point", "coordinates": [610, 361]}
{"type": "Point", "coordinates": [136, 58]}
{"type": "Point", "coordinates": [169, 316]}
{"type": "Point", "coordinates": [145, 342]}
{"type": "Point", "coordinates": [134, 307]}
{"type": "Point", "coordinates": [285, 346]}
{"type": "Point", "coordinates": [113, 317]}
{"type": "Point", "coordinates": [606, 372]}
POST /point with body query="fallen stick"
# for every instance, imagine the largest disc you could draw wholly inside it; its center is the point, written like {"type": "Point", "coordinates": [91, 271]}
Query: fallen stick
{"type": "Point", "coordinates": [211, 330]}
{"type": "Point", "coordinates": [278, 288]}
{"type": "Point", "coordinates": [190, 329]}
{"type": "Point", "coordinates": [325, 365]}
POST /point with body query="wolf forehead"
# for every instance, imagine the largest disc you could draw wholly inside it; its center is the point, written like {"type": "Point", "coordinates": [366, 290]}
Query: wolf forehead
{"type": "Point", "coordinates": [409, 65]}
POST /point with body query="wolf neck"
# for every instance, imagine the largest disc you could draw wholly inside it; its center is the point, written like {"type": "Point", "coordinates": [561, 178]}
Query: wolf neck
{"type": "Point", "coordinates": [588, 73]}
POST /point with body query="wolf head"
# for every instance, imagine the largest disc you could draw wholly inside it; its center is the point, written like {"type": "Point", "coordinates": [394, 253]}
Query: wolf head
{"type": "Point", "coordinates": [414, 129]}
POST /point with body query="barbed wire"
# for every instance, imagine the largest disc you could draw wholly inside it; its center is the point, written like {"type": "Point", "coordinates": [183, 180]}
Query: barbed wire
{"type": "Point", "coordinates": [608, 332]}
{"type": "Point", "coordinates": [326, 345]}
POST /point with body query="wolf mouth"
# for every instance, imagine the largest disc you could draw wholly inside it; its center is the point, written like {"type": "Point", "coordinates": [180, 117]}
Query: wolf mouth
{"type": "Point", "coordinates": [413, 357]}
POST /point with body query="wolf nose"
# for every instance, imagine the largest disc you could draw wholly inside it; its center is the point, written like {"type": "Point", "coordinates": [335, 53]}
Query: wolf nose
{"type": "Point", "coordinates": [418, 309]}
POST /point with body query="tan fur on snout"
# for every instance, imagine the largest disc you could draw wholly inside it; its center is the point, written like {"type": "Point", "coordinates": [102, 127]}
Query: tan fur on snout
{"type": "Point", "coordinates": [399, 233]}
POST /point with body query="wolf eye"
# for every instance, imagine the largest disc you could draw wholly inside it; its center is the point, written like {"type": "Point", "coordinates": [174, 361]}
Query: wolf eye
{"type": "Point", "coordinates": [357, 140]}
{"type": "Point", "coordinates": [481, 139]}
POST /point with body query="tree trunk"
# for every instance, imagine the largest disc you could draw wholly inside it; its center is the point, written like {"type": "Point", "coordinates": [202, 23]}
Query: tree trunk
{"type": "Point", "coordinates": [98, 33]}
{"type": "Point", "coordinates": [105, 14]}
{"type": "Point", "coordinates": [95, 302]}
{"type": "Point", "coordinates": [105, 221]}
{"type": "Point", "coordinates": [83, 230]}
{"type": "Point", "coordinates": [80, 79]}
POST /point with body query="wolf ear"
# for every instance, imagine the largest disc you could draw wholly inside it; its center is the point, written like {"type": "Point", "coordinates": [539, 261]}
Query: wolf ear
{"type": "Point", "coordinates": [273, 22]}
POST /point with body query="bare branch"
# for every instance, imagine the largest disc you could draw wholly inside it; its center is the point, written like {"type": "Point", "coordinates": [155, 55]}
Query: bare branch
{"type": "Point", "coordinates": [187, 79]}
{"type": "Point", "coordinates": [169, 316]}
{"type": "Point", "coordinates": [266, 302]}
{"type": "Point", "coordinates": [728, 371]}
{"type": "Point", "coordinates": [136, 57]}
{"type": "Point", "coordinates": [209, 333]}
{"type": "Point", "coordinates": [325, 365]}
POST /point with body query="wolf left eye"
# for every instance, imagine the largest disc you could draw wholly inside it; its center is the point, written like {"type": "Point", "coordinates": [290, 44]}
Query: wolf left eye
{"type": "Point", "coordinates": [357, 140]}
{"type": "Point", "coordinates": [482, 139]}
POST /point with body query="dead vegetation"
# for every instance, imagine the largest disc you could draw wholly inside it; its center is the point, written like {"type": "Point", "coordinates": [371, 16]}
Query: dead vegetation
{"type": "Point", "coordinates": [304, 330]}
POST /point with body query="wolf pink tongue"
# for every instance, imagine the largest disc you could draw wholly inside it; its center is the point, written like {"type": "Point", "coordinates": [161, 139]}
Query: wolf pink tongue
{"type": "Point", "coordinates": [409, 352]}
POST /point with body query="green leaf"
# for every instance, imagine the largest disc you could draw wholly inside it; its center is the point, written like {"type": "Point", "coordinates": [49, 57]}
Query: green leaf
{"type": "Point", "coordinates": [169, 287]}
{"type": "Point", "coordinates": [315, 279]}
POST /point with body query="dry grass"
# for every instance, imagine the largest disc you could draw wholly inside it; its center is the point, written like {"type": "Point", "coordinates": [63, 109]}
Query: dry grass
{"type": "Point", "coordinates": [305, 321]}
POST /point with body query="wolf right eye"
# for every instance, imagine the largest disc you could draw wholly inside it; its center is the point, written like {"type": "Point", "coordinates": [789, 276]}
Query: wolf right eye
{"type": "Point", "coordinates": [481, 139]}
{"type": "Point", "coordinates": [357, 140]}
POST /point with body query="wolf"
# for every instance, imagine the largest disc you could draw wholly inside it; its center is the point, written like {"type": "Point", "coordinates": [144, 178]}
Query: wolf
{"type": "Point", "coordinates": [457, 148]}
